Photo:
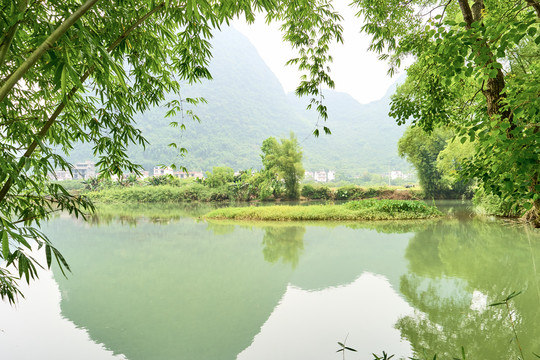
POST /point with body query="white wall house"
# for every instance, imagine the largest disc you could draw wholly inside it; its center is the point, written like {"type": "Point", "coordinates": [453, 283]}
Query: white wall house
{"type": "Point", "coordinates": [159, 171]}
{"type": "Point", "coordinates": [84, 170]}
{"type": "Point", "coordinates": [320, 176]}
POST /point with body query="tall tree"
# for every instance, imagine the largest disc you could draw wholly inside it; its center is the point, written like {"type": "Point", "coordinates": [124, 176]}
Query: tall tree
{"type": "Point", "coordinates": [78, 73]}
{"type": "Point", "coordinates": [421, 150]}
{"type": "Point", "coordinates": [476, 69]}
{"type": "Point", "coordinates": [436, 159]}
{"type": "Point", "coordinates": [282, 161]}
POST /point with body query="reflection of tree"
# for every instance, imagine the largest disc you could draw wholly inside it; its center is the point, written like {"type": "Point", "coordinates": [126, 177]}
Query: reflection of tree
{"type": "Point", "coordinates": [132, 214]}
{"type": "Point", "coordinates": [220, 228]}
{"type": "Point", "coordinates": [285, 243]}
{"type": "Point", "coordinates": [449, 263]}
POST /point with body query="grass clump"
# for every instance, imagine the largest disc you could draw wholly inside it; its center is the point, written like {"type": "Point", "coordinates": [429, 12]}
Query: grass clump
{"type": "Point", "coordinates": [354, 210]}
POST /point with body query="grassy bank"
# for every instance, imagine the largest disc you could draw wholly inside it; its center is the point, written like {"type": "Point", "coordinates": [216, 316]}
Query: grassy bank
{"type": "Point", "coordinates": [354, 210]}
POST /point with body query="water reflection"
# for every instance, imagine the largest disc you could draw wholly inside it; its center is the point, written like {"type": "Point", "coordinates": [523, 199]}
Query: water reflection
{"type": "Point", "coordinates": [284, 243]}
{"type": "Point", "coordinates": [456, 271]}
{"type": "Point", "coordinates": [173, 285]}
{"type": "Point", "coordinates": [203, 290]}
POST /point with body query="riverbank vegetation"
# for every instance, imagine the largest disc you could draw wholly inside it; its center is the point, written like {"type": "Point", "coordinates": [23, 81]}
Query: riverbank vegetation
{"type": "Point", "coordinates": [244, 187]}
{"type": "Point", "coordinates": [279, 179]}
{"type": "Point", "coordinates": [354, 210]}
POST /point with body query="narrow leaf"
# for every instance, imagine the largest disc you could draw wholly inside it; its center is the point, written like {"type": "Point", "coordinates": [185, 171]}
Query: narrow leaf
{"type": "Point", "coordinates": [5, 245]}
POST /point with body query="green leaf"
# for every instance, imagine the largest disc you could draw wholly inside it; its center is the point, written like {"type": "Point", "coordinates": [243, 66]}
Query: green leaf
{"type": "Point", "coordinates": [5, 245]}
{"type": "Point", "coordinates": [48, 255]}
{"type": "Point", "coordinates": [63, 80]}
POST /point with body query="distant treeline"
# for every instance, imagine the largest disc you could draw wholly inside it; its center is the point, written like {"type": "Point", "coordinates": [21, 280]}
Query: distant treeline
{"type": "Point", "coordinates": [167, 189]}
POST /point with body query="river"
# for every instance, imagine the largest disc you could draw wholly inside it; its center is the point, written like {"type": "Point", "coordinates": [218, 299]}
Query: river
{"type": "Point", "coordinates": [161, 283]}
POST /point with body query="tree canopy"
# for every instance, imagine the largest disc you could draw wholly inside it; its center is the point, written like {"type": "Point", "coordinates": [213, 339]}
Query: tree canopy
{"type": "Point", "coordinates": [78, 73]}
{"type": "Point", "coordinates": [282, 163]}
{"type": "Point", "coordinates": [476, 70]}
{"type": "Point", "coordinates": [425, 151]}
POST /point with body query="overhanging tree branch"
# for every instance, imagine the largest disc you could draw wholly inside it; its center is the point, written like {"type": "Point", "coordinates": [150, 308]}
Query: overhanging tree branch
{"type": "Point", "coordinates": [536, 6]}
{"type": "Point", "coordinates": [8, 37]}
{"type": "Point", "coordinates": [60, 108]}
{"type": "Point", "coordinates": [43, 48]}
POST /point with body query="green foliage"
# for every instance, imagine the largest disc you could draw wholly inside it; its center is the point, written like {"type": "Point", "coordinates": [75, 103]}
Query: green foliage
{"type": "Point", "coordinates": [476, 71]}
{"type": "Point", "coordinates": [161, 180]}
{"type": "Point", "coordinates": [282, 164]}
{"type": "Point", "coordinates": [489, 204]}
{"type": "Point", "coordinates": [316, 192]}
{"type": "Point", "coordinates": [424, 151]}
{"type": "Point", "coordinates": [71, 185]}
{"type": "Point", "coordinates": [392, 206]}
{"type": "Point", "coordinates": [79, 73]}
{"type": "Point", "coordinates": [349, 192]}
{"type": "Point", "coordinates": [219, 176]}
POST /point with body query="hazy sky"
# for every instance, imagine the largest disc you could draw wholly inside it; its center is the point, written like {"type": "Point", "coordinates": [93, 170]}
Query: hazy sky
{"type": "Point", "coordinates": [354, 70]}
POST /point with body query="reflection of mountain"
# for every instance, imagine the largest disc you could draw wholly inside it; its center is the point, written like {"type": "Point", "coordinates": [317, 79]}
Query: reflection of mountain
{"type": "Point", "coordinates": [160, 292]}
{"type": "Point", "coordinates": [337, 256]}
{"type": "Point", "coordinates": [156, 292]}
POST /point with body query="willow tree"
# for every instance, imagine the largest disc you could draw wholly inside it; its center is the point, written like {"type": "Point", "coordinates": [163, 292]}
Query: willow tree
{"type": "Point", "coordinates": [476, 70]}
{"type": "Point", "coordinates": [77, 71]}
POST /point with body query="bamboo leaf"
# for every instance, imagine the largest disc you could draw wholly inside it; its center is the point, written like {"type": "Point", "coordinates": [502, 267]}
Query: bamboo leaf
{"type": "Point", "coordinates": [5, 245]}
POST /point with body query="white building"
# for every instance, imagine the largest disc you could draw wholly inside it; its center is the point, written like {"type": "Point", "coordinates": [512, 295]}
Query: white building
{"type": "Point", "coordinates": [84, 170]}
{"type": "Point", "coordinates": [320, 176]}
{"type": "Point", "coordinates": [190, 174]}
{"type": "Point", "coordinates": [61, 175]}
{"type": "Point", "coordinates": [331, 175]}
{"type": "Point", "coordinates": [159, 171]}
{"type": "Point", "coordinates": [396, 174]}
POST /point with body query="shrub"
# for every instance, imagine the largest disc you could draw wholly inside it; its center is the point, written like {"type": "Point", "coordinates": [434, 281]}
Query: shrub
{"type": "Point", "coordinates": [349, 192]}
{"type": "Point", "coordinates": [317, 193]}
{"type": "Point", "coordinates": [307, 191]}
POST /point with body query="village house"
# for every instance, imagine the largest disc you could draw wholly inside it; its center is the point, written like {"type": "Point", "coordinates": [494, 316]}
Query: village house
{"type": "Point", "coordinates": [160, 171]}
{"type": "Point", "coordinates": [396, 174]}
{"type": "Point", "coordinates": [320, 176]}
{"type": "Point", "coordinates": [84, 170]}
{"type": "Point", "coordinates": [331, 175]}
{"type": "Point", "coordinates": [61, 175]}
{"type": "Point", "coordinates": [189, 174]}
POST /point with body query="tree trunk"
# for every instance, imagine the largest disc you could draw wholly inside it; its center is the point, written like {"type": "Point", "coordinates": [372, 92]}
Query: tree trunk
{"type": "Point", "coordinates": [495, 96]}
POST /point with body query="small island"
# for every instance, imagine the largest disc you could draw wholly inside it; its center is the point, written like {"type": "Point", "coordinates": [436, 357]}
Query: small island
{"type": "Point", "coordinates": [353, 210]}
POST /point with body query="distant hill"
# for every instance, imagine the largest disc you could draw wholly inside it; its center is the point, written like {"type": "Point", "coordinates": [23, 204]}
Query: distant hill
{"type": "Point", "coordinates": [363, 136]}
{"type": "Point", "coordinates": [246, 104]}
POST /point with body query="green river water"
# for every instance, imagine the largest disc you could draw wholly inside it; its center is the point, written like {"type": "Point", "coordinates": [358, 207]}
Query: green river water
{"type": "Point", "coordinates": [161, 283]}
